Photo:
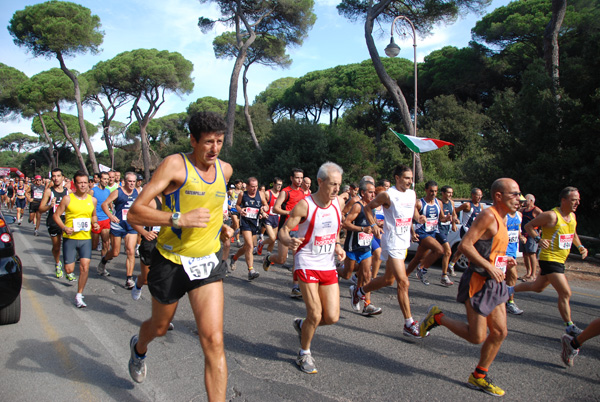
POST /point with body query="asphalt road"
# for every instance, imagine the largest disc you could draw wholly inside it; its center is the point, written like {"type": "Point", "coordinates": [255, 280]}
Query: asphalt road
{"type": "Point", "coordinates": [58, 352]}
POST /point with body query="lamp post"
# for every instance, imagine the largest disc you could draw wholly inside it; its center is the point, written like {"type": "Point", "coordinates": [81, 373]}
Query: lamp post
{"type": "Point", "coordinates": [392, 50]}
{"type": "Point", "coordinates": [34, 163]}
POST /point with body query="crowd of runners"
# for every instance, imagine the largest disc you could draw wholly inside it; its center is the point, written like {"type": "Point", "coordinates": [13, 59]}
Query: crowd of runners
{"type": "Point", "coordinates": [183, 224]}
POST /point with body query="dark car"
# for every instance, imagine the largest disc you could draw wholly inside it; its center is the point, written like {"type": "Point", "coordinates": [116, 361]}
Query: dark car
{"type": "Point", "coordinates": [11, 275]}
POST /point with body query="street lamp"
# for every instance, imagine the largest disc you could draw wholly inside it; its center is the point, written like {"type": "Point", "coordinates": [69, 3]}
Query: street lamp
{"type": "Point", "coordinates": [34, 163]}
{"type": "Point", "coordinates": [392, 50]}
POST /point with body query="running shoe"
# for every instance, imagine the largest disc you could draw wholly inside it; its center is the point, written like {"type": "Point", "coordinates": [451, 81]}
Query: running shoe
{"type": "Point", "coordinates": [485, 384]}
{"type": "Point", "coordinates": [413, 330]}
{"type": "Point", "coordinates": [252, 274]}
{"type": "Point", "coordinates": [428, 322]}
{"type": "Point", "coordinates": [306, 363]}
{"type": "Point", "coordinates": [260, 246]}
{"type": "Point", "coordinates": [99, 248]}
{"type": "Point", "coordinates": [254, 250]}
{"type": "Point", "coordinates": [512, 308]}
{"type": "Point", "coordinates": [573, 331]}
{"type": "Point", "coordinates": [266, 262]}
{"type": "Point", "coordinates": [296, 293]}
{"type": "Point", "coordinates": [298, 328]}
{"type": "Point", "coordinates": [354, 299]}
{"type": "Point", "coordinates": [171, 327]}
{"type": "Point", "coordinates": [446, 281]}
{"type": "Point", "coordinates": [422, 275]}
{"type": "Point", "coordinates": [71, 277]}
{"type": "Point", "coordinates": [354, 279]}
{"type": "Point", "coordinates": [137, 250]}
{"type": "Point", "coordinates": [35, 233]}
{"type": "Point", "coordinates": [568, 352]}
{"type": "Point", "coordinates": [136, 293]}
{"type": "Point", "coordinates": [137, 365]}
{"type": "Point", "coordinates": [451, 271]}
{"type": "Point", "coordinates": [129, 284]}
{"type": "Point", "coordinates": [370, 309]}
{"type": "Point", "coordinates": [101, 269]}
{"type": "Point", "coordinates": [19, 222]}
{"type": "Point", "coordinates": [58, 269]}
{"type": "Point", "coordinates": [79, 301]}
{"type": "Point", "coordinates": [232, 263]}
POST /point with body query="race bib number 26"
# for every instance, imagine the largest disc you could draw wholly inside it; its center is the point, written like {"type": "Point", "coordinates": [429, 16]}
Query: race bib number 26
{"type": "Point", "coordinates": [199, 267]}
{"type": "Point", "coordinates": [501, 262]}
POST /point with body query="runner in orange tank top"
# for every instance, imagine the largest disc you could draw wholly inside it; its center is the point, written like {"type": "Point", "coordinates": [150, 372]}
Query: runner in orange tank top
{"type": "Point", "coordinates": [482, 287]}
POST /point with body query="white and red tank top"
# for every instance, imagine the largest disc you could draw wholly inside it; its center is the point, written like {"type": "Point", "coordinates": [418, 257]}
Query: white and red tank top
{"type": "Point", "coordinates": [398, 219]}
{"type": "Point", "coordinates": [320, 231]}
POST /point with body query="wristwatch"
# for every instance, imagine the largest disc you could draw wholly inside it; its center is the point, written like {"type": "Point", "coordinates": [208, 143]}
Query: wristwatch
{"type": "Point", "coordinates": [175, 220]}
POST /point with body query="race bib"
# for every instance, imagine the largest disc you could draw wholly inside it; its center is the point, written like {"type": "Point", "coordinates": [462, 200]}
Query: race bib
{"type": "Point", "coordinates": [364, 239]}
{"type": "Point", "coordinates": [81, 224]}
{"type": "Point", "coordinates": [38, 195]}
{"type": "Point", "coordinates": [324, 244]}
{"type": "Point", "coordinates": [124, 214]}
{"type": "Point", "coordinates": [155, 229]}
{"type": "Point", "coordinates": [501, 262]}
{"type": "Point", "coordinates": [403, 225]}
{"type": "Point", "coordinates": [431, 224]}
{"type": "Point", "coordinates": [199, 267]}
{"type": "Point", "coordinates": [513, 236]}
{"type": "Point", "coordinates": [565, 241]}
{"type": "Point", "coordinates": [252, 213]}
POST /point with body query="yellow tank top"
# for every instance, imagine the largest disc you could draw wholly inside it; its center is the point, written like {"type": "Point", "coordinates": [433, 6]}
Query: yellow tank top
{"type": "Point", "coordinates": [78, 215]}
{"type": "Point", "coordinates": [194, 193]}
{"type": "Point", "coordinates": [560, 236]}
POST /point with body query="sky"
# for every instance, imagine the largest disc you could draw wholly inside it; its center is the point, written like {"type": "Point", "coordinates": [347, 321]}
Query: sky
{"type": "Point", "coordinates": [172, 25]}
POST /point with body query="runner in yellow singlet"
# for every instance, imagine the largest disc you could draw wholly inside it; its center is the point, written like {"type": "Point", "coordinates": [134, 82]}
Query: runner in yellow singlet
{"type": "Point", "coordinates": [187, 258]}
{"type": "Point", "coordinates": [558, 235]}
{"type": "Point", "coordinates": [80, 217]}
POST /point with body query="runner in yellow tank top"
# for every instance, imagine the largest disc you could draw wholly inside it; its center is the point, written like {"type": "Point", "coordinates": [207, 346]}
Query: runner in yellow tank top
{"type": "Point", "coordinates": [193, 242]}
{"type": "Point", "coordinates": [80, 218]}
{"type": "Point", "coordinates": [558, 234]}
{"type": "Point", "coordinates": [187, 256]}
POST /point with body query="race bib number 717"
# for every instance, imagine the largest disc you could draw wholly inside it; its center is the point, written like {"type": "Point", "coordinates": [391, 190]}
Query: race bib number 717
{"type": "Point", "coordinates": [324, 244]}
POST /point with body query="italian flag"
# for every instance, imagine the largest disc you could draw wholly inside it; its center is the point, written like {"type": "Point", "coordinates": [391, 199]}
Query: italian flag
{"type": "Point", "coordinates": [421, 144]}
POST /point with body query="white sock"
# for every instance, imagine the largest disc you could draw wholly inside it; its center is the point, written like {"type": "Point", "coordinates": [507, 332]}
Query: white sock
{"type": "Point", "coordinates": [450, 265]}
{"type": "Point", "coordinates": [408, 322]}
{"type": "Point", "coordinates": [304, 352]}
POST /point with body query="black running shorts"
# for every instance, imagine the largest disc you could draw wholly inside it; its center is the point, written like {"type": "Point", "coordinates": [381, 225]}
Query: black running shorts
{"type": "Point", "coordinates": [168, 282]}
{"type": "Point", "coordinates": [551, 267]}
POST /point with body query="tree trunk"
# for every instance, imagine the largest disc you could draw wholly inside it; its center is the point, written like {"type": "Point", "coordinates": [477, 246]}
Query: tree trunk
{"type": "Point", "coordinates": [50, 143]}
{"type": "Point", "coordinates": [247, 109]}
{"type": "Point", "coordinates": [109, 147]}
{"type": "Point", "coordinates": [69, 138]}
{"type": "Point", "coordinates": [145, 148]}
{"type": "Point", "coordinates": [391, 85]}
{"type": "Point", "coordinates": [84, 133]}
{"type": "Point", "coordinates": [551, 56]}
